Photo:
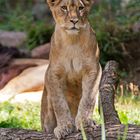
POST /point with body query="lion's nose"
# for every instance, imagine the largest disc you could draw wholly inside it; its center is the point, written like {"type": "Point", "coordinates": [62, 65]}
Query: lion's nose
{"type": "Point", "coordinates": [74, 20]}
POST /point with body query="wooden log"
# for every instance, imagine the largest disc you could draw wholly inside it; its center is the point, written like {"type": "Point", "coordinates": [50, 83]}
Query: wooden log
{"type": "Point", "coordinates": [113, 132]}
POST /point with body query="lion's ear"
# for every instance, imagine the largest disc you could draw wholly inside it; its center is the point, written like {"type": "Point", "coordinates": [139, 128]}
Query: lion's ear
{"type": "Point", "coordinates": [52, 3]}
{"type": "Point", "coordinates": [88, 3]}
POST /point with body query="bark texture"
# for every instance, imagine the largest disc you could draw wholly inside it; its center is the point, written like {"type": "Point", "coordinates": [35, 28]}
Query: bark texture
{"type": "Point", "coordinates": [107, 90]}
{"type": "Point", "coordinates": [113, 132]}
{"type": "Point", "coordinates": [113, 129]}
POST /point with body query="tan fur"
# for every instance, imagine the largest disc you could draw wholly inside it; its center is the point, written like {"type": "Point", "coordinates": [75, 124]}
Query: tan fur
{"type": "Point", "coordinates": [31, 79]}
{"type": "Point", "coordinates": [74, 72]}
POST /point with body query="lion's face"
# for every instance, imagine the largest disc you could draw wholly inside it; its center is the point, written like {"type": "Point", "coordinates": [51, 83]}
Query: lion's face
{"type": "Point", "coordinates": [70, 15]}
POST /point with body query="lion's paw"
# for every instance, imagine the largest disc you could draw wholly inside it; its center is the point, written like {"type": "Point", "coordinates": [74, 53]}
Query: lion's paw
{"type": "Point", "coordinates": [63, 130]}
{"type": "Point", "coordinates": [84, 123]}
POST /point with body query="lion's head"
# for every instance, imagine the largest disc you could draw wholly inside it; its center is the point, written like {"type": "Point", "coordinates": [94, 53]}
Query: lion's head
{"type": "Point", "coordinates": [70, 15]}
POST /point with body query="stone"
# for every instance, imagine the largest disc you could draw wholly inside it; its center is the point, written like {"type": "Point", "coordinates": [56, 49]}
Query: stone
{"type": "Point", "coordinates": [41, 51]}
{"type": "Point", "coordinates": [12, 39]}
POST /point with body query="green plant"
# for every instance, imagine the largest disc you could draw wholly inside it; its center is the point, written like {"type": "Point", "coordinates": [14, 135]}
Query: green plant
{"type": "Point", "coordinates": [112, 23]}
{"type": "Point", "coordinates": [39, 34]}
{"type": "Point", "coordinates": [18, 115]}
{"type": "Point", "coordinates": [27, 115]}
{"type": "Point", "coordinates": [4, 5]}
{"type": "Point", "coordinates": [125, 133]}
{"type": "Point", "coordinates": [18, 19]}
{"type": "Point", "coordinates": [128, 109]}
{"type": "Point", "coordinates": [14, 16]}
{"type": "Point", "coordinates": [102, 123]}
{"type": "Point", "coordinates": [83, 132]}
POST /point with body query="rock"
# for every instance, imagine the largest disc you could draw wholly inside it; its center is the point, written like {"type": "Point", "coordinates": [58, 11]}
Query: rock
{"type": "Point", "coordinates": [12, 39]}
{"type": "Point", "coordinates": [41, 51]}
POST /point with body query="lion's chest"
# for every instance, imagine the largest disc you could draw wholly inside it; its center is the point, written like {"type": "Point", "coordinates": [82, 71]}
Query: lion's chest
{"type": "Point", "coordinates": [73, 62]}
{"type": "Point", "coordinates": [73, 65]}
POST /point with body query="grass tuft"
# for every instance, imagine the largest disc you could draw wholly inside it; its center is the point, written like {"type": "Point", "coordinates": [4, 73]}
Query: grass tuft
{"type": "Point", "coordinates": [25, 115]}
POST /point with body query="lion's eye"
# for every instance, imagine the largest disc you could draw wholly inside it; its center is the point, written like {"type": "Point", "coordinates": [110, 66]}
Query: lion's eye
{"type": "Point", "coordinates": [64, 8]}
{"type": "Point", "coordinates": [81, 8]}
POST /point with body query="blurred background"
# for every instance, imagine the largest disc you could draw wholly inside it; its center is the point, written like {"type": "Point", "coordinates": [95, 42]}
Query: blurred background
{"type": "Point", "coordinates": [116, 22]}
{"type": "Point", "coordinates": [26, 27]}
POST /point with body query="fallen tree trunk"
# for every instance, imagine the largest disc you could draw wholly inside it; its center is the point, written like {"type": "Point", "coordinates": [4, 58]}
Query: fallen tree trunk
{"type": "Point", "coordinates": [113, 129]}
{"type": "Point", "coordinates": [113, 132]}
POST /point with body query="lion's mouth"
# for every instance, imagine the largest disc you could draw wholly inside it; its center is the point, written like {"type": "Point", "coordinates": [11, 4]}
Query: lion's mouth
{"type": "Point", "coordinates": [74, 28]}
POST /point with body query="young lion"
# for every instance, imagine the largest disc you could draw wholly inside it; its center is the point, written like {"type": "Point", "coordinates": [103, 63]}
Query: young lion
{"type": "Point", "coordinates": [74, 72]}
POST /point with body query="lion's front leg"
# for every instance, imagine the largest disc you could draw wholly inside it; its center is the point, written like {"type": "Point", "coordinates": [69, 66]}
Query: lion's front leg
{"type": "Point", "coordinates": [48, 120]}
{"type": "Point", "coordinates": [90, 85]}
{"type": "Point", "coordinates": [56, 88]}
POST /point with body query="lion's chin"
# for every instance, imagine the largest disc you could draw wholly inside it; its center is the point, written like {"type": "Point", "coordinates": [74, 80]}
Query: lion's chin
{"type": "Point", "coordinates": [73, 31]}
